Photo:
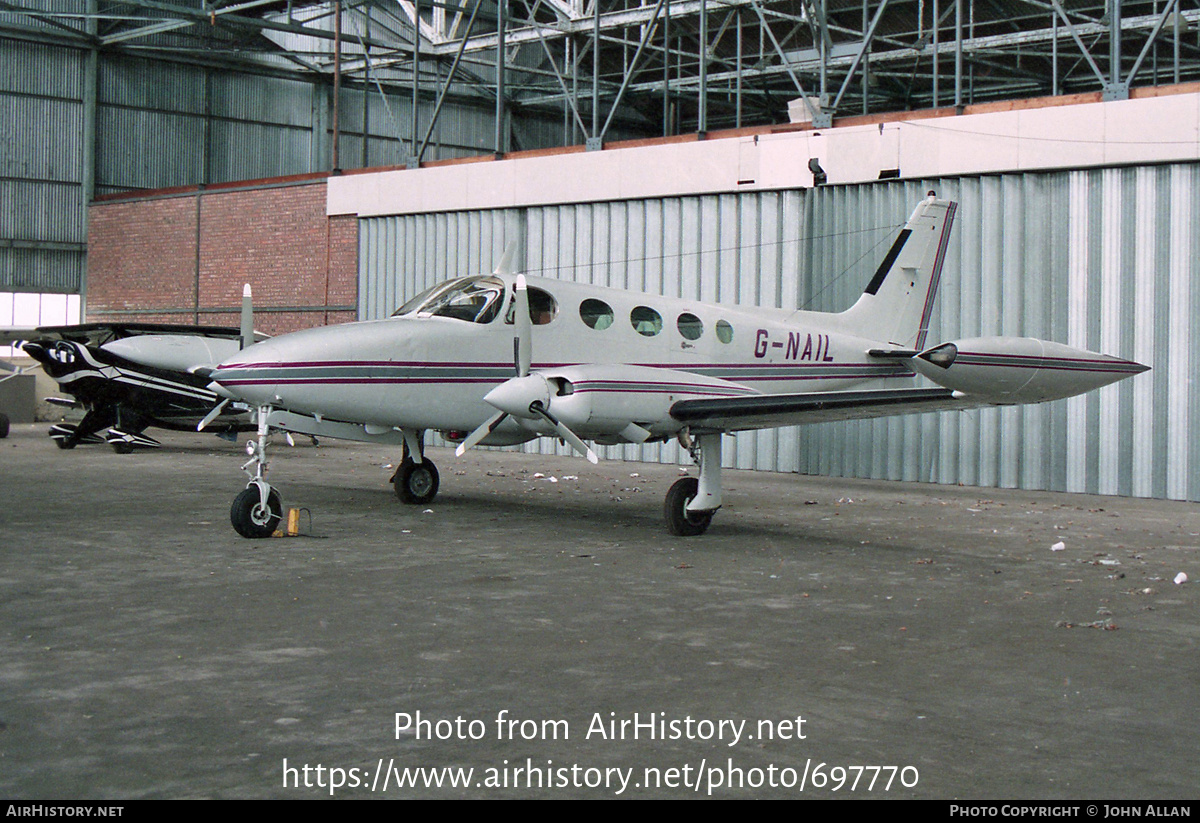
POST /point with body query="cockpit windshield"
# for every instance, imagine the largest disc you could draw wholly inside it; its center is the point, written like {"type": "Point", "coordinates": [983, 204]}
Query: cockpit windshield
{"type": "Point", "coordinates": [474, 299]}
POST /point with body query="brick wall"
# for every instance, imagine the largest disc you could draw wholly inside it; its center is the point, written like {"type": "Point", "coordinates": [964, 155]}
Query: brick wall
{"type": "Point", "coordinates": [182, 256]}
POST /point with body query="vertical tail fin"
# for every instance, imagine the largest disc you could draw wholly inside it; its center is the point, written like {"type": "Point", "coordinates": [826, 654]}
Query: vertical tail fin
{"type": "Point", "coordinates": [896, 304]}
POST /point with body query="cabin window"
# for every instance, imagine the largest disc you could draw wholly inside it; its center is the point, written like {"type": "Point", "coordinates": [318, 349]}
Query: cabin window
{"type": "Point", "coordinates": [542, 307]}
{"type": "Point", "coordinates": [724, 332]}
{"type": "Point", "coordinates": [473, 299]}
{"type": "Point", "coordinates": [646, 321]}
{"type": "Point", "coordinates": [596, 314]}
{"type": "Point", "coordinates": [690, 326]}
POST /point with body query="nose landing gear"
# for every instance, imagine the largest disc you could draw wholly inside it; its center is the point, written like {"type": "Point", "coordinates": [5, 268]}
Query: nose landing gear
{"type": "Point", "coordinates": [253, 518]}
{"type": "Point", "coordinates": [257, 509]}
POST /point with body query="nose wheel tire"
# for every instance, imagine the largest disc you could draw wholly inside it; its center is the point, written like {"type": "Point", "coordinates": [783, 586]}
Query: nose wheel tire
{"type": "Point", "coordinates": [681, 522]}
{"type": "Point", "coordinates": [248, 516]}
{"type": "Point", "coordinates": [416, 482]}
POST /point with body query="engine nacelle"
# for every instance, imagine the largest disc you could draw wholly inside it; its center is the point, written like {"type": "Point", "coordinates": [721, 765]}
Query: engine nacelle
{"type": "Point", "coordinates": [609, 402]}
{"type": "Point", "coordinates": [1020, 369]}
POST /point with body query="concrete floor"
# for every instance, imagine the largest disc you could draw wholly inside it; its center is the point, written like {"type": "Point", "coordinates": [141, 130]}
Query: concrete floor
{"type": "Point", "coordinates": [146, 651]}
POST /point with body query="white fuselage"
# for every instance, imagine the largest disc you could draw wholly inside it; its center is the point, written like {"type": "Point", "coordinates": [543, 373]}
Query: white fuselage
{"type": "Point", "coordinates": [422, 371]}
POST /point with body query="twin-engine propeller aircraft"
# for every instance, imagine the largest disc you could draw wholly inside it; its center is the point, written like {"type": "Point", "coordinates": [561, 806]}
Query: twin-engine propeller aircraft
{"type": "Point", "coordinates": [130, 376]}
{"type": "Point", "coordinates": [613, 366]}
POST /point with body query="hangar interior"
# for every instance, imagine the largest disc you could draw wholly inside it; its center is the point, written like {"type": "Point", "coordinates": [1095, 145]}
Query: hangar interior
{"type": "Point", "coordinates": [340, 155]}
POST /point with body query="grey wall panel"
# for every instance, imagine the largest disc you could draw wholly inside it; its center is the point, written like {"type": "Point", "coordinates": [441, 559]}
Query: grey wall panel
{"type": "Point", "coordinates": [246, 150]}
{"type": "Point", "coordinates": [41, 270]}
{"type": "Point", "coordinates": [1105, 259]}
{"type": "Point", "coordinates": [143, 84]}
{"type": "Point", "coordinates": [261, 99]}
{"type": "Point", "coordinates": [40, 138]}
{"type": "Point", "coordinates": [48, 71]}
{"type": "Point", "coordinates": [41, 158]}
{"type": "Point", "coordinates": [51, 212]}
{"type": "Point", "coordinates": [146, 149]}
{"type": "Point", "coordinates": [162, 125]}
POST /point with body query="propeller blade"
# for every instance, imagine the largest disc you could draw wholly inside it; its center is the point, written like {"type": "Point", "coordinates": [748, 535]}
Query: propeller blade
{"type": "Point", "coordinates": [565, 433]}
{"type": "Point", "coordinates": [247, 317]}
{"type": "Point", "coordinates": [212, 415]}
{"type": "Point", "coordinates": [483, 431]}
{"type": "Point", "coordinates": [522, 329]}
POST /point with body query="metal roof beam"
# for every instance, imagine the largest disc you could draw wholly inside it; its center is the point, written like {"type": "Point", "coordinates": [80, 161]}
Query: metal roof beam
{"type": "Point", "coordinates": [193, 16]}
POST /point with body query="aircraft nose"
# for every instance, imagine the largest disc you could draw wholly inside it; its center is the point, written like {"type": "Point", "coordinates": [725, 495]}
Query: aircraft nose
{"type": "Point", "coordinates": [35, 350]}
{"type": "Point", "coordinates": [56, 359]}
{"type": "Point", "coordinates": [250, 375]}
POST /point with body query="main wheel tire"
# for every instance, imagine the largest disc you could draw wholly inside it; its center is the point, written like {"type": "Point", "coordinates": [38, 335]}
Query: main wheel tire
{"type": "Point", "coordinates": [416, 482]}
{"type": "Point", "coordinates": [122, 447]}
{"type": "Point", "coordinates": [3, 425]}
{"type": "Point", "coordinates": [681, 522]}
{"type": "Point", "coordinates": [248, 516]}
{"type": "Point", "coordinates": [62, 443]}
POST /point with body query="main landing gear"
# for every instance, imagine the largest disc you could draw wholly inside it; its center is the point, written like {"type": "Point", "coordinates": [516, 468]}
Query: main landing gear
{"type": "Point", "coordinates": [691, 502]}
{"type": "Point", "coordinates": [688, 508]}
{"type": "Point", "coordinates": [416, 479]}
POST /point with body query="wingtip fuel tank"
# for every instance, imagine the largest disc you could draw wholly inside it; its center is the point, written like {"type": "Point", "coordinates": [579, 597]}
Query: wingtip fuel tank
{"type": "Point", "coordinates": [1020, 369]}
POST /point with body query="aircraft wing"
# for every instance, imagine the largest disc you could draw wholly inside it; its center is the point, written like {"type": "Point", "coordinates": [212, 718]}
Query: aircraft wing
{"type": "Point", "coordinates": [728, 414]}
{"type": "Point", "coordinates": [16, 334]}
{"type": "Point", "coordinates": [95, 334]}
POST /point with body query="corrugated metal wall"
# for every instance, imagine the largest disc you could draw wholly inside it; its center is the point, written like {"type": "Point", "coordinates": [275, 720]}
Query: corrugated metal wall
{"type": "Point", "coordinates": [1103, 259]}
{"type": "Point", "coordinates": [161, 124]}
{"type": "Point", "coordinates": [41, 223]}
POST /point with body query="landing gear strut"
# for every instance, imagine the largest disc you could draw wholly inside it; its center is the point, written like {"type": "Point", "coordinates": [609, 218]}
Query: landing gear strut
{"type": "Point", "coordinates": [257, 509]}
{"type": "Point", "coordinates": [416, 479]}
{"type": "Point", "coordinates": [691, 503]}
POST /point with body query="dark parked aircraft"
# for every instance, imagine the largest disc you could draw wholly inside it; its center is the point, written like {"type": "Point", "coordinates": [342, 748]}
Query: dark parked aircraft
{"type": "Point", "coordinates": [131, 376]}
